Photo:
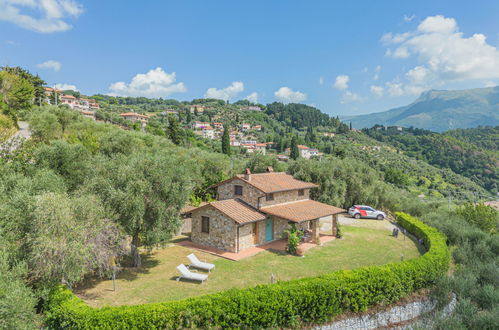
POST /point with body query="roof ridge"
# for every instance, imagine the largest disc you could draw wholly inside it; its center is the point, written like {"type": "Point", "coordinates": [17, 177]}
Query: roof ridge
{"type": "Point", "coordinates": [287, 203]}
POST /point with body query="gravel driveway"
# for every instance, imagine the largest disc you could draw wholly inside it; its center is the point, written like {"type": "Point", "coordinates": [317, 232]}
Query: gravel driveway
{"type": "Point", "coordinates": [346, 220]}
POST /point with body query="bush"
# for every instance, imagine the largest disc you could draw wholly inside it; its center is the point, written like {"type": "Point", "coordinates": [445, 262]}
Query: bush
{"type": "Point", "coordinates": [294, 236]}
{"type": "Point", "coordinates": [339, 234]}
{"type": "Point", "coordinates": [283, 304]}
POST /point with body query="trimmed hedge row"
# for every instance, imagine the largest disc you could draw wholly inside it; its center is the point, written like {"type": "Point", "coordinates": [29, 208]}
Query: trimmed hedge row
{"type": "Point", "coordinates": [283, 304]}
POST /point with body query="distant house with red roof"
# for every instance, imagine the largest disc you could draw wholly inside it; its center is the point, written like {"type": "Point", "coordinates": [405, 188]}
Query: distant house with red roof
{"type": "Point", "coordinates": [135, 117]}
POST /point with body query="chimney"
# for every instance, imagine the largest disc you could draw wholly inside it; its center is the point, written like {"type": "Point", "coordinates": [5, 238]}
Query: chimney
{"type": "Point", "coordinates": [269, 169]}
{"type": "Point", "coordinates": [247, 175]}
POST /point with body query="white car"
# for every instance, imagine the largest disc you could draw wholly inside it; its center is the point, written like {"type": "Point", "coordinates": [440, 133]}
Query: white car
{"type": "Point", "coordinates": [364, 211]}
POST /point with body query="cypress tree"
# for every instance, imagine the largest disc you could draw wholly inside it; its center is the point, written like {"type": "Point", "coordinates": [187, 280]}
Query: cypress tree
{"type": "Point", "coordinates": [226, 141]}
{"type": "Point", "coordinates": [173, 131]}
{"type": "Point", "coordinates": [294, 152]}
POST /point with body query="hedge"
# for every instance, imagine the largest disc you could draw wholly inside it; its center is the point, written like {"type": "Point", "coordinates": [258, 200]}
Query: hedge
{"type": "Point", "coordinates": [283, 304]}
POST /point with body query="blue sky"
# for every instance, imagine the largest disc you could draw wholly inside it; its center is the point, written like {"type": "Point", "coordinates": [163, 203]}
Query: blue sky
{"type": "Point", "coordinates": [344, 57]}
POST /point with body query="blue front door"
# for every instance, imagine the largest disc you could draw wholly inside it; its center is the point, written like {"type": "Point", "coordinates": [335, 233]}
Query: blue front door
{"type": "Point", "coordinates": [269, 230]}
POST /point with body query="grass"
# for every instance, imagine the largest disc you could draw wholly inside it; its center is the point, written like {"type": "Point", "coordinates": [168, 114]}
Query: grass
{"type": "Point", "coordinates": [156, 280]}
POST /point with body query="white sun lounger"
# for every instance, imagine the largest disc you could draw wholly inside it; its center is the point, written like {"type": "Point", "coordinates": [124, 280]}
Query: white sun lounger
{"type": "Point", "coordinates": [187, 274]}
{"type": "Point", "coordinates": [195, 262]}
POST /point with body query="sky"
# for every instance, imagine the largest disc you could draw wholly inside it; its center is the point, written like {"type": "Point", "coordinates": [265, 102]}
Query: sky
{"type": "Point", "coordinates": [343, 57]}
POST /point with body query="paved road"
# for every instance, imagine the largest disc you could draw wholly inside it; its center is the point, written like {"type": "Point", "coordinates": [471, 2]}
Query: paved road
{"type": "Point", "coordinates": [15, 141]}
{"type": "Point", "coordinates": [24, 131]}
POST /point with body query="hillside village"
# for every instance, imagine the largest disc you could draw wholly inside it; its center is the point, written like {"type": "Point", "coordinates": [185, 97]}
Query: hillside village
{"type": "Point", "coordinates": [243, 135]}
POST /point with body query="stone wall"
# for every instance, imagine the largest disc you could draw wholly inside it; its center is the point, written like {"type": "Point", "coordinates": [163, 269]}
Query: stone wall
{"type": "Point", "coordinates": [246, 236]}
{"type": "Point", "coordinates": [250, 193]}
{"type": "Point", "coordinates": [285, 197]}
{"type": "Point", "coordinates": [223, 230]}
{"type": "Point", "coordinates": [280, 226]}
{"type": "Point", "coordinates": [391, 317]}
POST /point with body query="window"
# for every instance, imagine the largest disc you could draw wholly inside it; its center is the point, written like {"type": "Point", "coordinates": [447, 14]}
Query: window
{"type": "Point", "coordinates": [270, 197]}
{"type": "Point", "coordinates": [301, 192]}
{"type": "Point", "coordinates": [205, 224]}
{"type": "Point", "coordinates": [238, 190]}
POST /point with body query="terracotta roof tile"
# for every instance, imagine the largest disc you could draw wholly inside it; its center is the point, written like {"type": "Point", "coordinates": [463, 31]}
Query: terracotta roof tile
{"type": "Point", "coordinates": [237, 210]}
{"type": "Point", "coordinates": [275, 182]}
{"type": "Point", "coordinates": [302, 210]}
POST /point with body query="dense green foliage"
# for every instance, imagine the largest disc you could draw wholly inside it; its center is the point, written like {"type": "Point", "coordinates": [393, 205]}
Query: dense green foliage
{"type": "Point", "coordinates": [16, 93]}
{"type": "Point", "coordinates": [475, 276]}
{"type": "Point", "coordinates": [483, 137]}
{"type": "Point", "coordinates": [284, 304]}
{"type": "Point", "coordinates": [300, 115]}
{"type": "Point", "coordinates": [446, 150]}
{"type": "Point", "coordinates": [484, 217]}
{"type": "Point", "coordinates": [16, 300]}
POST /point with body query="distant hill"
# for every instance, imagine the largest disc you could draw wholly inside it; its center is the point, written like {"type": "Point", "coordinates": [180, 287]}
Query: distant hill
{"type": "Point", "coordinates": [440, 111]}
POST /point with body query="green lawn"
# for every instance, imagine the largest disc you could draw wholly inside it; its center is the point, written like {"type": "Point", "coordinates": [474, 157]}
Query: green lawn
{"type": "Point", "coordinates": [155, 282]}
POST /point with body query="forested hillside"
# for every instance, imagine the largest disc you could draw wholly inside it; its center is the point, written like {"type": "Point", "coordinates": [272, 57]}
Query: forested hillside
{"type": "Point", "coordinates": [309, 126]}
{"type": "Point", "coordinates": [473, 153]}
{"type": "Point", "coordinates": [82, 192]}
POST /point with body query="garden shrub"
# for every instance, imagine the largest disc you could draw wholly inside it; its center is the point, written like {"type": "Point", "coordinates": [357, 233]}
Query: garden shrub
{"type": "Point", "coordinates": [283, 304]}
{"type": "Point", "coordinates": [294, 237]}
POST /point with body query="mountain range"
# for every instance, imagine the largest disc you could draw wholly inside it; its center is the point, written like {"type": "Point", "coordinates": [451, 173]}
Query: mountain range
{"type": "Point", "coordinates": [439, 110]}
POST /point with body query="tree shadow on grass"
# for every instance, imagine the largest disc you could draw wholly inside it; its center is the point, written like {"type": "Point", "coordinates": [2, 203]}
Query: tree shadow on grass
{"type": "Point", "coordinates": [127, 273]}
{"type": "Point", "coordinates": [408, 236]}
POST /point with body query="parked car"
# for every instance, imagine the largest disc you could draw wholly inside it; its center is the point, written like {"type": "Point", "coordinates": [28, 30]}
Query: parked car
{"type": "Point", "coordinates": [364, 211]}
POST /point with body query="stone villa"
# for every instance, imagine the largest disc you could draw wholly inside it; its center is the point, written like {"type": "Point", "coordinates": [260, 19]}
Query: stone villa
{"type": "Point", "coordinates": [254, 209]}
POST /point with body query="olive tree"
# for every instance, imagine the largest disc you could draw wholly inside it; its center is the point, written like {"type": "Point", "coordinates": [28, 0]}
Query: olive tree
{"type": "Point", "coordinates": [146, 191]}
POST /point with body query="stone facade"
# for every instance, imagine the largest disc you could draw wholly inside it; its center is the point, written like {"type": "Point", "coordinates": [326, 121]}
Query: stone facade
{"type": "Point", "coordinates": [280, 226]}
{"type": "Point", "coordinates": [285, 197]}
{"type": "Point", "coordinates": [255, 197]}
{"type": "Point", "coordinates": [223, 230]}
{"type": "Point", "coordinates": [251, 195]}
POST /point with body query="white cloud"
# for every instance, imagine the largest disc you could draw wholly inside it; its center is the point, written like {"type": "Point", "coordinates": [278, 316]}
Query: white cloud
{"type": "Point", "coordinates": [349, 97]}
{"type": "Point", "coordinates": [390, 38]}
{"type": "Point", "coordinates": [321, 81]}
{"type": "Point", "coordinates": [155, 83]}
{"type": "Point", "coordinates": [253, 97]}
{"type": "Point", "coordinates": [287, 95]}
{"type": "Point", "coordinates": [341, 82]}
{"type": "Point", "coordinates": [377, 90]}
{"type": "Point", "coordinates": [444, 54]}
{"type": "Point", "coordinates": [395, 89]}
{"type": "Point", "coordinates": [66, 87]}
{"type": "Point", "coordinates": [400, 52]}
{"type": "Point", "coordinates": [377, 70]}
{"type": "Point", "coordinates": [418, 75]}
{"type": "Point", "coordinates": [226, 93]}
{"type": "Point", "coordinates": [50, 65]}
{"type": "Point", "coordinates": [44, 16]}
{"type": "Point", "coordinates": [489, 83]}
{"type": "Point", "coordinates": [438, 24]}
{"type": "Point", "coordinates": [409, 18]}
